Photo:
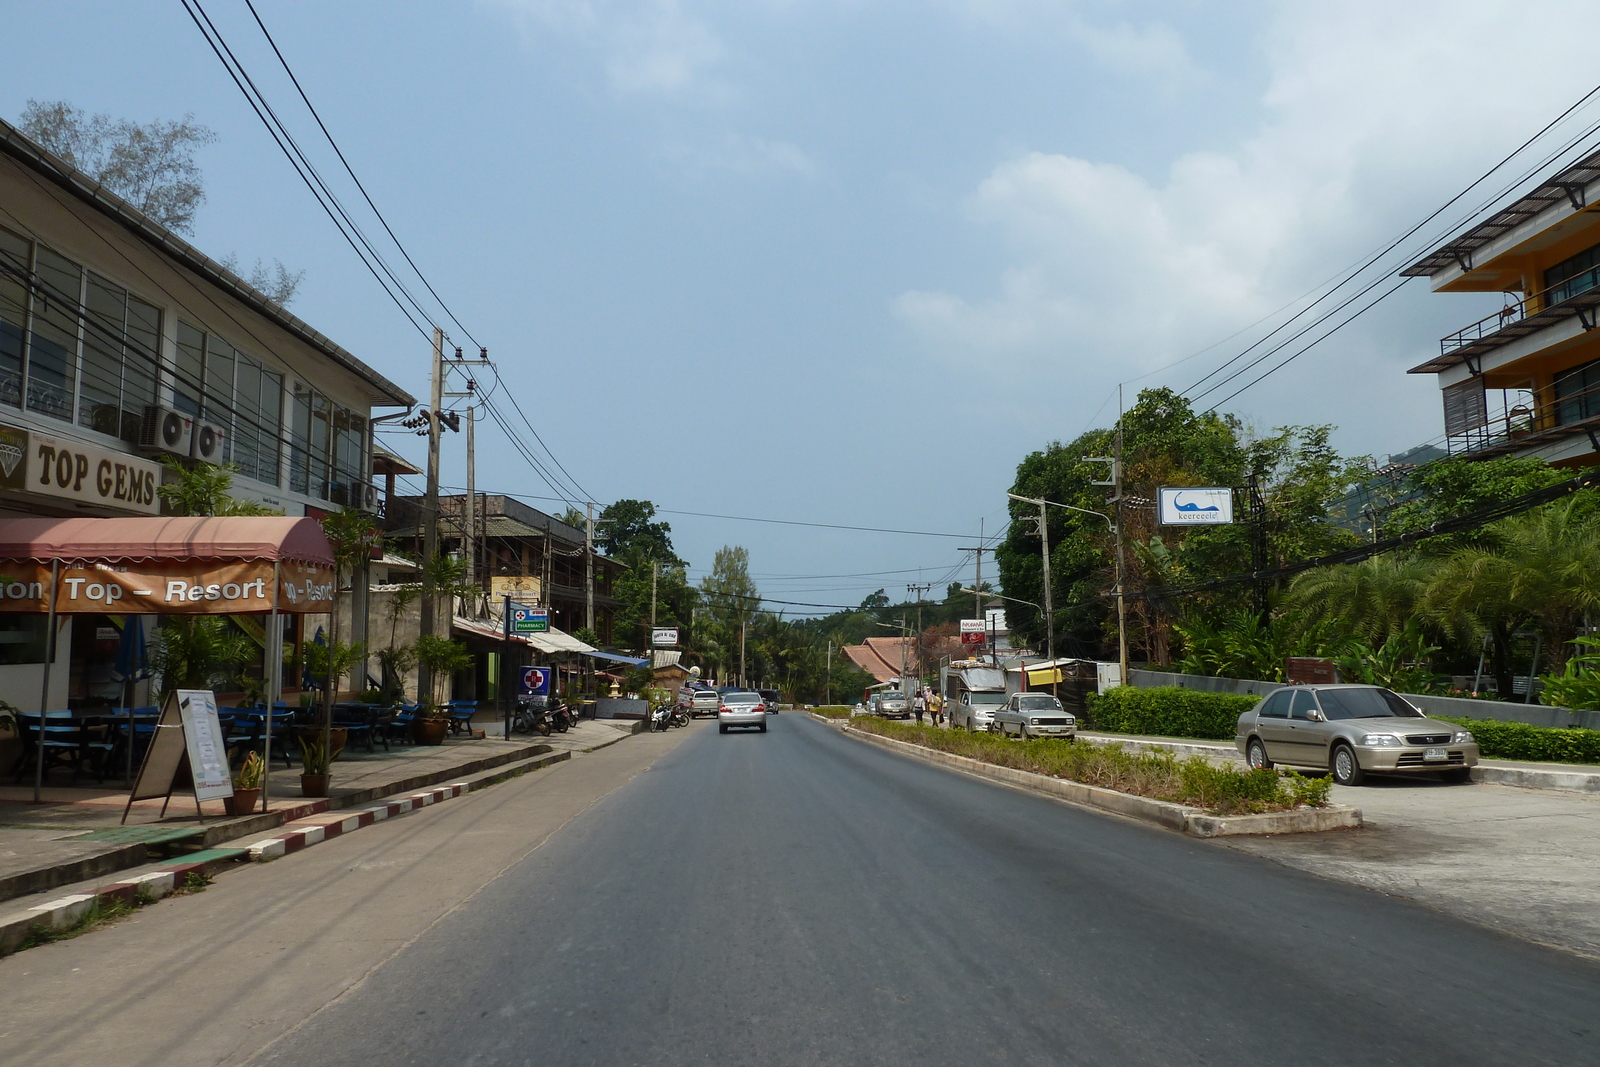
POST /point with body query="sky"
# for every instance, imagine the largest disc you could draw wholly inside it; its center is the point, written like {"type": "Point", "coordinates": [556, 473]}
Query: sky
{"type": "Point", "coordinates": [844, 261]}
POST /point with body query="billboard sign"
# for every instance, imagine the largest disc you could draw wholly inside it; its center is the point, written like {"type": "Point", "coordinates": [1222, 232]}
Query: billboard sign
{"type": "Point", "coordinates": [972, 631]}
{"type": "Point", "coordinates": [526, 620]}
{"type": "Point", "coordinates": [664, 637]}
{"type": "Point", "coordinates": [1196, 507]}
{"type": "Point", "coordinates": [534, 682]}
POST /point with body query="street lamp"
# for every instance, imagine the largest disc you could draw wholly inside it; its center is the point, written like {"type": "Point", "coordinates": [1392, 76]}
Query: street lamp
{"type": "Point", "coordinates": [1044, 540]}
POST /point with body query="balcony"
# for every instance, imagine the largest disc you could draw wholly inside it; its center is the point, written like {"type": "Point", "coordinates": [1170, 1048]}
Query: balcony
{"type": "Point", "coordinates": [1523, 422]}
{"type": "Point", "coordinates": [1575, 297]}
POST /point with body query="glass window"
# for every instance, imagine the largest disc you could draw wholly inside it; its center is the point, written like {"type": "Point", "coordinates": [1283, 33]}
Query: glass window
{"type": "Point", "coordinates": [143, 356]}
{"type": "Point", "coordinates": [1578, 393]}
{"type": "Point", "coordinates": [270, 423]}
{"type": "Point", "coordinates": [53, 343]}
{"type": "Point", "coordinates": [219, 381]}
{"type": "Point", "coordinates": [1304, 705]}
{"type": "Point", "coordinates": [22, 638]}
{"type": "Point", "coordinates": [1366, 704]}
{"type": "Point", "coordinates": [100, 386]}
{"type": "Point", "coordinates": [1572, 276]}
{"type": "Point", "coordinates": [1275, 706]}
{"type": "Point", "coordinates": [16, 257]}
{"type": "Point", "coordinates": [189, 371]}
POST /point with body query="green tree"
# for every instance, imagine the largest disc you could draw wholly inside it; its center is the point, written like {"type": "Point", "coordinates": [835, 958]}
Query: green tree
{"type": "Point", "coordinates": [203, 490]}
{"type": "Point", "coordinates": [730, 599]}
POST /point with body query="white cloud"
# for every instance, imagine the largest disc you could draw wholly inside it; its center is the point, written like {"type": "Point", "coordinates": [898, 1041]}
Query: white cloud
{"type": "Point", "coordinates": [1374, 113]}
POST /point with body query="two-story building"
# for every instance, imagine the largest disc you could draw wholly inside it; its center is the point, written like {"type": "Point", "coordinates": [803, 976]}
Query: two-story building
{"type": "Point", "coordinates": [1525, 380]}
{"type": "Point", "coordinates": [120, 345]}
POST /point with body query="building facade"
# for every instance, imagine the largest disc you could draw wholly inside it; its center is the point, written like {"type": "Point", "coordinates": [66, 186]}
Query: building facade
{"type": "Point", "coordinates": [1525, 380]}
{"type": "Point", "coordinates": [122, 345]}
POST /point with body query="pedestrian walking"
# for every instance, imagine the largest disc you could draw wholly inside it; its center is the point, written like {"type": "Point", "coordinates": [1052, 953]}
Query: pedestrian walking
{"type": "Point", "coordinates": [936, 706]}
{"type": "Point", "coordinates": [919, 705]}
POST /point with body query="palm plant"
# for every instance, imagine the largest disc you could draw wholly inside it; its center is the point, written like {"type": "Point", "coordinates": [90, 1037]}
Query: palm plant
{"type": "Point", "coordinates": [1371, 600]}
{"type": "Point", "coordinates": [197, 652]}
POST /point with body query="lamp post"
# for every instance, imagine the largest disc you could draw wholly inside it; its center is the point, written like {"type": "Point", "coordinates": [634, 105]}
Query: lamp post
{"type": "Point", "coordinates": [1116, 531]}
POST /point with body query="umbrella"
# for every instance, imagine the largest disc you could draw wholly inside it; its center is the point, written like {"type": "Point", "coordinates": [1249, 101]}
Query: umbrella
{"type": "Point", "coordinates": [132, 665]}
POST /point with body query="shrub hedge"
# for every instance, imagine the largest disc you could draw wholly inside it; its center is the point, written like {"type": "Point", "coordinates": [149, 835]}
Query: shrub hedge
{"type": "Point", "coordinates": [1518, 740]}
{"type": "Point", "coordinates": [1168, 711]}
{"type": "Point", "coordinates": [833, 711]}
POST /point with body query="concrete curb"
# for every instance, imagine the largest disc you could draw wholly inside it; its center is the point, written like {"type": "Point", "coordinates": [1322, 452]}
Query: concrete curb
{"type": "Point", "coordinates": [312, 827]}
{"type": "Point", "coordinates": [1182, 818]}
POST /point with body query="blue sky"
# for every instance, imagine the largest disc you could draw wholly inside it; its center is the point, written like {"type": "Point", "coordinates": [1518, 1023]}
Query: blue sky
{"type": "Point", "coordinates": [847, 261]}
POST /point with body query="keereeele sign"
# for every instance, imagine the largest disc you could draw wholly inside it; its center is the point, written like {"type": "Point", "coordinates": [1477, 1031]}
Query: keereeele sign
{"type": "Point", "coordinates": [1196, 507]}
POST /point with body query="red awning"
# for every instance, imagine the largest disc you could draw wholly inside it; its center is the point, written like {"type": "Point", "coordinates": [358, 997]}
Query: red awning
{"type": "Point", "coordinates": [235, 537]}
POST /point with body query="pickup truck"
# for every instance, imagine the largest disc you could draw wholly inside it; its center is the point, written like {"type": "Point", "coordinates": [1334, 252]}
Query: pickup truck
{"type": "Point", "coordinates": [890, 704]}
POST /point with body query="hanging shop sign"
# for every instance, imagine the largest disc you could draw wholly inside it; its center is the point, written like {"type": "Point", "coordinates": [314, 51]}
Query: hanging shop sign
{"type": "Point", "coordinates": [34, 462]}
{"type": "Point", "coordinates": [526, 620]}
{"type": "Point", "coordinates": [1196, 507]}
{"type": "Point", "coordinates": [664, 637]}
{"type": "Point", "coordinates": [973, 631]}
{"type": "Point", "coordinates": [175, 587]}
{"type": "Point", "coordinates": [534, 682]}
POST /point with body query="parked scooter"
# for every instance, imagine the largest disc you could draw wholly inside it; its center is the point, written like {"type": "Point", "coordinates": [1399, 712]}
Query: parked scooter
{"type": "Point", "coordinates": [562, 716]}
{"type": "Point", "coordinates": [680, 716]}
{"type": "Point", "coordinates": [531, 718]}
{"type": "Point", "coordinates": [661, 718]}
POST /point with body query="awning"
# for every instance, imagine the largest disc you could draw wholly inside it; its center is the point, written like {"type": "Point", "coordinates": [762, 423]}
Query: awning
{"type": "Point", "coordinates": [236, 565]}
{"type": "Point", "coordinates": [479, 628]}
{"type": "Point", "coordinates": [633, 661]}
{"type": "Point", "coordinates": [165, 538]}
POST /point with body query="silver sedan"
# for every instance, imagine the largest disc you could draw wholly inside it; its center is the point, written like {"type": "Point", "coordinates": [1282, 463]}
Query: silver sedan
{"type": "Point", "coordinates": [1028, 715]}
{"type": "Point", "coordinates": [1351, 730]}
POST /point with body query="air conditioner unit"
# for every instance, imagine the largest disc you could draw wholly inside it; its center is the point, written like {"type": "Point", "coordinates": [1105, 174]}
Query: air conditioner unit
{"type": "Point", "coordinates": [366, 495]}
{"type": "Point", "coordinates": [210, 442]}
{"type": "Point", "coordinates": [167, 430]}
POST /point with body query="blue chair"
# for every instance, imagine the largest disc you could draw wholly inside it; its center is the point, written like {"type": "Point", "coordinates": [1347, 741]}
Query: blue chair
{"type": "Point", "coordinates": [67, 741]}
{"type": "Point", "coordinates": [461, 713]}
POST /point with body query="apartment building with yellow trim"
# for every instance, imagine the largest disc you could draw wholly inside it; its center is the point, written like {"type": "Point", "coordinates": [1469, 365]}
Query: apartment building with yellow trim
{"type": "Point", "coordinates": [1525, 380]}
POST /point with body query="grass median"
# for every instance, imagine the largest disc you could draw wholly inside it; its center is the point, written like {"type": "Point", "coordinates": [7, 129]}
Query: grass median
{"type": "Point", "coordinates": [1195, 781]}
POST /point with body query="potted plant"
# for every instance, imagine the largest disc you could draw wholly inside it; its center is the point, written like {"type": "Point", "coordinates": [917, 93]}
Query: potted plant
{"type": "Point", "coordinates": [246, 786]}
{"type": "Point", "coordinates": [441, 657]}
{"type": "Point", "coordinates": [314, 762]}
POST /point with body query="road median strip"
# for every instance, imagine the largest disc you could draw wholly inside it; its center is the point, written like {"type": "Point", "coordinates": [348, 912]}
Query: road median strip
{"type": "Point", "coordinates": [1181, 817]}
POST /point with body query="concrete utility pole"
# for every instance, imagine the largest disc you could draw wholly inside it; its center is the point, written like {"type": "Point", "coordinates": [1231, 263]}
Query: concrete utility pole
{"type": "Point", "coordinates": [1122, 606]}
{"type": "Point", "coordinates": [588, 560]}
{"type": "Point", "coordinates": [1044, 549]}
{"type": "Point", "coordinates": [741, 652]}
{"type": "Point", "coordinates": [828, 678]}
{"type": "Point", "coordinates": [919, 589]}
{"type": "Point", "coordinates": [469, 533]}
{"type": "Point", "coordinates": [430, 505]}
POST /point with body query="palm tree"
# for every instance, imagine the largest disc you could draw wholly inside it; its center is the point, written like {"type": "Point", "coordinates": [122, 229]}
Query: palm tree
{"type": "Point", "coordinates": [1542, 566]}
{"type": "Point", "coordinates": [1372, 600]}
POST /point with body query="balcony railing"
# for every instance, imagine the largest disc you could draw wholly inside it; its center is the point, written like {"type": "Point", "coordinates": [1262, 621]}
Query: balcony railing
{"type": "Point", "coordinates": [1525, 421]}
{"type": "Point", "coordinates": [1552, 303]}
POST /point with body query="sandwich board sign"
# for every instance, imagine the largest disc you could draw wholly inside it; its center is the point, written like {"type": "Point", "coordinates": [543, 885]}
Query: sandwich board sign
{"type": "Point", "coordinates": [526, 620]}
{"type": "Point", "coordinates": [1196, 507]}
{"type": "Point", "coordinates": [188, 738]}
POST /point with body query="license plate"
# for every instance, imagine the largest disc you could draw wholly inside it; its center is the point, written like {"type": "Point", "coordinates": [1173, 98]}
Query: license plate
{"type": "Point", "coordinates": [1435, 755]}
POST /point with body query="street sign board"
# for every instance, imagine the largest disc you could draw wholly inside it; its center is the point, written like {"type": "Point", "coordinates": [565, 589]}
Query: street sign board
{"type": "Point", "coordinates": [1196, 507]}
{"type": "Point", "coordinates": [972, 631]}
{"type": "Point", "coordinates": [664, 637]}
{"type": "Point", "coordinates": [534, 682]}
{"type": "Point", "coordinates": [526, 620]}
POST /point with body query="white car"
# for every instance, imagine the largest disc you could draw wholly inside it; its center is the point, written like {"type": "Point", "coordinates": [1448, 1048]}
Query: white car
{"type": "Point", "coordinates": [1028, 715]}
{"type": "Point", "coordinates": [974, 710]}
{"type": "Point", "coordinates": [740, 708]}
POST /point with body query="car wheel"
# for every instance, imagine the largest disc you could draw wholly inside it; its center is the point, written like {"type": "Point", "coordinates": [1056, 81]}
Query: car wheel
{"type": "Point", "coordinates": [1256, 755]}
{"type": "Point", "coordinates": [722, 728]}
{"type": "Point", "coordinates": [763, 727]}
{"type": "Point", "coordinates": [1346, 768]}
{"type": "Point", "coordinates": [1460, 775]}
{"type": "Point", "coordinates": [1022, 732]}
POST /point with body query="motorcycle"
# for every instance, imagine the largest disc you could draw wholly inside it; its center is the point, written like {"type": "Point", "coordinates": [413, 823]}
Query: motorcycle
{"type": "Point", "coordinates": [564, 716]}
{"type": "Point", "coordinates": [680, 716]}
{"type": "Point", "coordinates": [531, 718]}
{"type": "Point", "coordinates": [661, 718]}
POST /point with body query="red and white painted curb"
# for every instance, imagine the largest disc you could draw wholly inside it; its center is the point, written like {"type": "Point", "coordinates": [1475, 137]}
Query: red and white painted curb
{"type": "Point", "coordinates": [303, 833]}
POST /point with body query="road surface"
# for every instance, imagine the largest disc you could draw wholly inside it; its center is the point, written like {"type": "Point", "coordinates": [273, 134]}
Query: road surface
{"type": "Point", "coordinates": [799, 897]}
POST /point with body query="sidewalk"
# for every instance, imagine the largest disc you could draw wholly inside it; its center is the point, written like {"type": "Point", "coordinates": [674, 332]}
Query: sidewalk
{"type": "Point", "coordinates": [76, 833]}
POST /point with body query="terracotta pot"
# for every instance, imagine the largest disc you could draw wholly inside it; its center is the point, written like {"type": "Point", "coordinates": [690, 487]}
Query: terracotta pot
{"type": "Point", "coordinates": [313, 785]}
{"type": "Point", "coordinates": [429, 731]}
{"type": "Point", "coordinates": [337, 736]}
{"type": "Point", "coordinates": [243, 801]}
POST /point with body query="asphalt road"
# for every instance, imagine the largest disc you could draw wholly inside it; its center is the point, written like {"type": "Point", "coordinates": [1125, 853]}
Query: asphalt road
{"type": "Point", "coordinates": [799, 897]}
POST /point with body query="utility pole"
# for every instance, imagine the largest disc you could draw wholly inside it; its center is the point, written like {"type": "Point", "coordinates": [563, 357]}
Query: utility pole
{"type": "Point", "coordinates": [588, 561]}
{"type": "Point", "coordinates": [828, 678]}
{"type": "Point", "coordinates": [977, 580]}
{"type": "Point", "coordinates": [469, 536]}
{"type": "Point", "coordinates": [655, 573]}
{"type": "Point", "coordinates": [1122, 604]}
{"type": "Point", "coordinates": [1049, 606]}
{"type": "Point", "coordinates": [430, 505]}
{"type": "Point", "coordinates": [741, 651]}
{"type": "Point", "coordinates": [919, 589]}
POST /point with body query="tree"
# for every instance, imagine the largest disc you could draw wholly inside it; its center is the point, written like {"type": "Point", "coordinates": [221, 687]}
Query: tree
{"type": "Point", "coordinates": [1371, 600]}
{"type": "Point", "coordinates": [624, 532]}
{"type": "Point", "coordinates": [150, 166]}
{"type": "Point", "coordinates": [731, 599]}
{"type": "Point", "coordinates": [203, 490]}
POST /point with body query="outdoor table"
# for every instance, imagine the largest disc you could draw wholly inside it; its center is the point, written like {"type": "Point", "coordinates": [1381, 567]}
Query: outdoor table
{"type": "Point", "coordinates": [69, 738]}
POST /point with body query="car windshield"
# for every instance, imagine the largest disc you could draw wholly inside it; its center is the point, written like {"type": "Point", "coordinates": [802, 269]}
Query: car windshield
{"type": "Point", "coordinates": [1365, 704]}
{"type": "Point", "coordinates": [1038, 703]}
{"type": "Point", "coordinates": [988, 698]}
{"type": "Point", "coordinates": [891, 696]}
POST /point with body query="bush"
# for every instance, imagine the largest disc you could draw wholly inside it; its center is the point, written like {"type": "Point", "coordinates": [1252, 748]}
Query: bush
{"type": "Point", "coordinates": [1519, 740]}
{"type": "Point", "coordinates": [1159, 775]}
{"type": "Point", "coordinates": [1168, 711]}
{"type": "Point", "coordinates": [833, 711]}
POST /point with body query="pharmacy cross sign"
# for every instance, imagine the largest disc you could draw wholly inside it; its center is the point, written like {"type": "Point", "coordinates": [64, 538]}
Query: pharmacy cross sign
{"type": "Point", "coordinates": [526, 620]}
